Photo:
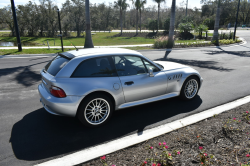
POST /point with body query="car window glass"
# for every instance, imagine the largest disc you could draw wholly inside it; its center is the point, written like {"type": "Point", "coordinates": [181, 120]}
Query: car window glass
{"type": "Point", "coordinates": [55, 65]}
{"type": "Point", "coordinates": [149, 65]}
{"type": "Point", "coordinates": [129, 65]}
{"type": "Point", "coordinates": [95, 67]}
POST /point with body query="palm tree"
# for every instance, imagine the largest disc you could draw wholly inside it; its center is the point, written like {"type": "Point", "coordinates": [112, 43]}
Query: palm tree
{"type": "Point", "coordinates": [216, 24]}
{"type": "Point", "coordinates": [186, 7]}
{"type": "Point", "coordinates": [122, 5]}
{"type": "Point", "coordinates": [142, 3]}
{"type": "Point", "coordinates": [171, 27]}
{"type": "Point", "coordinates": [139, 4]}
{"type": "Point", "coordinates": [159, 2]}
{"type": "Point", "coordinates": [88, 38]}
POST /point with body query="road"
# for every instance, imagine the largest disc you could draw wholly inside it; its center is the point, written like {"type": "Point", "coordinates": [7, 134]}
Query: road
{"type": "Point", "coordinates": [30, 135]}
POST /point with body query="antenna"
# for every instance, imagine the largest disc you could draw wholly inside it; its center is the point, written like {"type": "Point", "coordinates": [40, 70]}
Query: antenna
{"type": "Point", "coordinates": [73, 45]}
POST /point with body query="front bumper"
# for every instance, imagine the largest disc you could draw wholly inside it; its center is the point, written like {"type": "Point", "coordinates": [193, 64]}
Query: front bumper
{"type": "Point", "coordinates": [201, 81]}
{"type": "Point", "coordinates": [66, 106]}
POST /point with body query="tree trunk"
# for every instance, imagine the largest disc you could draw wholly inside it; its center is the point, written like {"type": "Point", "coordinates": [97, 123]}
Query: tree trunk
{"type": "Point", "coordinates": [158, 17]}
{"type": "Point", "coordinates": [124, 22]}
{"type": "Point", "coordinates": [216, 25]}
{"type": "Point", "coordinates": [88, 38]}
{"type": "Point", "coordinates": [121, 19]}
{"type": "Point", "coordinates": [140, 20]}
{"type": "Point", "coordinates": [171, 27]}
{"type": "Point", "coordinates": [136, 21]}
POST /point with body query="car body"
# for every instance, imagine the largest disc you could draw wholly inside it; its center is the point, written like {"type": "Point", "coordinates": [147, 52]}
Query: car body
{"type": "Point", "coordinates": [126, 77]}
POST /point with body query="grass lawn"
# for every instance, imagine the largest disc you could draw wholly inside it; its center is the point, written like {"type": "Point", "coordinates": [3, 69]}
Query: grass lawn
{"type": "Point", "coordinates": [139, 48]}
{"type": "Point", "coordinates": [31, 51]}
{"type": "Point", "coordinates": [209, 34]}
{"type": "Point", "coordinates": [51, 51]}
{"type": "Point", "coordinates": [99, 39]}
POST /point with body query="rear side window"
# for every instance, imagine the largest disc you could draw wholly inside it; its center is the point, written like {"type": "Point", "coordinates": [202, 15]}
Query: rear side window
{"type": "Point", "coordinates": [56, 64]}
{"type": "Point", "coordinates": [95, 67]}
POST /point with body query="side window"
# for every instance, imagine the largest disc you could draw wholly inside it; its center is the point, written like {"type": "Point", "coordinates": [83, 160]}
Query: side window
{"type": "Point", "coordinates": [95, 67]}
{"type": "Point", "coordinates": [129, 65]}
{"type": "Point", "coordinates": [149, 65]}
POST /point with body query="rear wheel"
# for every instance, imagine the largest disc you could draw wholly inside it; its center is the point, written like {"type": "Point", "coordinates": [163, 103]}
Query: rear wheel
{"type": "Point", "coordinates": [190, 88]}
{"type": "Point", "coordinates": [95, 110]}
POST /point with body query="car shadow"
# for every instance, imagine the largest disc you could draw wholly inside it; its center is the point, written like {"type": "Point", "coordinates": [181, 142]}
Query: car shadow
{"type": "Point", "coordinates": [213, 65]}
{"type": "Point", "coordinates": [24, 74]}
{"type": "Point", "coordinates": [40, 135]}
{"type": "Point", "coordinates": [222, 51]}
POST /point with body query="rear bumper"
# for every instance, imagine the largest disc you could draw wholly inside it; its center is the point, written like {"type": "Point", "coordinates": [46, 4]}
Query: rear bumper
{"type": "Point", "coordinates": [59, 106]}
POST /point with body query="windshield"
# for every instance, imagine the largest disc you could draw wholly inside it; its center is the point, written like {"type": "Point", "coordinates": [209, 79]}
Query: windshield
{"type": "Point", "coordinates": [55, 65]}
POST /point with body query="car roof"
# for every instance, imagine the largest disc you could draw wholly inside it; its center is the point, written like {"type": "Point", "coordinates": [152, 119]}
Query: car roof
{"type": "Point", "coordinates": [97, 51]}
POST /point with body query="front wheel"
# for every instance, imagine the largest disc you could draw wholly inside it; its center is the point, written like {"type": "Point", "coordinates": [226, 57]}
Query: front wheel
{"type": "Point", "coordinates": [95, 110]}
{"type": "Point", "coordinates": [190, 88]}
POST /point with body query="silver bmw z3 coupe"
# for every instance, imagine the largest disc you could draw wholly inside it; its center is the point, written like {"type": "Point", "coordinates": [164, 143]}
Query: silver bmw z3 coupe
{"type": "Point", "coordinates": [91, 83]}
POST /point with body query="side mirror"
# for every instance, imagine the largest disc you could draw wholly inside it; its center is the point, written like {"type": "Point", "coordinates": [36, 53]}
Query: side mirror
{"type": "Point", "coordinates": [151, 73]}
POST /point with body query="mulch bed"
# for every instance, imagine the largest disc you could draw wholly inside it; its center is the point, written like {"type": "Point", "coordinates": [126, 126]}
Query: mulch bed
{"type": "Point", "coordinates": [219, 140]}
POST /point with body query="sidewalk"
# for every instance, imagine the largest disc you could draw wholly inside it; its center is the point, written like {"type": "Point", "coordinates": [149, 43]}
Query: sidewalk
{"type": "Point", "coordinates": [111, 46]}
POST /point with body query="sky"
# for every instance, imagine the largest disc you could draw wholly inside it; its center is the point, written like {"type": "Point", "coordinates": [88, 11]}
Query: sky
{"type": "Point", "coordinates": [191, 3]}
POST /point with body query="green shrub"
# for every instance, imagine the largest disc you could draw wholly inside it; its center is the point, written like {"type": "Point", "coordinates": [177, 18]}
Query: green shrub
{"type": "Point", "coordinates": [229, 41]}
{"type": "Point", "coordinates": [186, 35]}
{"type": "Point", "coordinates": [167, 24]}
{"type": "Point", "coordinates": [152, 25]}
{"type": "Point", "coordinates": [161, 42]}
{"type": "Point", "coordinates": [209, 23]}
{"type": "Point", "coordinates": [186, 27]}
{"type": "Point", "coordinates": [201, 28]}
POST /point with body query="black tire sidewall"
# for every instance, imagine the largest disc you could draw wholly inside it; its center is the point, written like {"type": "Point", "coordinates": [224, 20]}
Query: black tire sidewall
{"type": "Point", "coordinates": [81, 110]}
{"type": "Point", "coordinates": [182, 94]}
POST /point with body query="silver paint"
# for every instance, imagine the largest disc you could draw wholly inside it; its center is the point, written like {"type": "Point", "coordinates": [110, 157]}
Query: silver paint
{"type": "Point", "coordinates": [164, 84]}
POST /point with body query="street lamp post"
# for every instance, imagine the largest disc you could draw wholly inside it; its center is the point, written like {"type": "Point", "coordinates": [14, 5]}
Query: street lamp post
{"type": "Point", "coordinates": [60, 28]}
{"type": "Point", "coordinates": [235, 26]}
{"type": "Point", "coordinates": [19, 44]}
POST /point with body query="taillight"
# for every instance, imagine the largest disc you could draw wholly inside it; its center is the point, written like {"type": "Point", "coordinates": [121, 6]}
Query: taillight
{"type": "Point", "coordinates": [57, 92]}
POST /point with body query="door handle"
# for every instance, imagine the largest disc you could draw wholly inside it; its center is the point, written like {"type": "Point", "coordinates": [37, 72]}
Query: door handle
{"type": "Point", "coordinates": [129, 83]}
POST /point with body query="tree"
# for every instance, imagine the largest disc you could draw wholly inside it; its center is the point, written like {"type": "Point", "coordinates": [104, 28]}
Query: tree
{"type": "Point", "coordinates": [88, 38]}
{"type": "Point", "coordinates": [122, 5]}
{"type": "Point", "coordinates": [138, 5]}
{"type": "Point", "coordinates": [159, 2]}
{"type": "Point", "coordinates": [142, 3]}
{"type": "Point", "coordinates": [51, 17]}
{"type": "Point", "coordinates": [167, 24]}
{"type": "Point", "coordinates": [171, 27]}
{"type": "Point", "coordinates": [77, 12]}
{"type": "Point", "coordinates": [216, 24]}
{"type": "Point", "coordinates": [245, 11]}
{"type": "Point", "coordinates": [209, 23]}
{"type": "Point", "coordinates": [186, 27]}
{"type": "Point", "coordinates": [152, 25]}
{"type": "Point", "coordinates": [6, 17]}
{"type": "Point", "coordinates": [201, 28]}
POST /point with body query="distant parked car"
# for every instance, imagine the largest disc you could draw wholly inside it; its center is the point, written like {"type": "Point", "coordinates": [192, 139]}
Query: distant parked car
{"type": "Point", "coordinates": [244, 26]}
{"type": "Point", "coordinates": [91, 83]}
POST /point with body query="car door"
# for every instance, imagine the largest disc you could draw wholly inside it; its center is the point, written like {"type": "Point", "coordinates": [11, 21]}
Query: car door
{"type": "Point", "coordinates": [135, 80]}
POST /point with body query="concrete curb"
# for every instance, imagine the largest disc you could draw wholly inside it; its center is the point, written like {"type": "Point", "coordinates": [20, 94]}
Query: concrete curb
{"type": "Point", "coordinates": [112, 146]}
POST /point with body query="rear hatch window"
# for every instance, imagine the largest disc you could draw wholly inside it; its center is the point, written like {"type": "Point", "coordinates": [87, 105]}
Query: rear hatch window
{"type": "Point", "coordinates": [56, 64]}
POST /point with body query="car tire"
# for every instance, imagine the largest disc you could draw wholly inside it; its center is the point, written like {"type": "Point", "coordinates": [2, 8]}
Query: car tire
{"type": "Point", "coordinates": [190, 88]}
{"type": "Point", "coordinates": [95, 110]}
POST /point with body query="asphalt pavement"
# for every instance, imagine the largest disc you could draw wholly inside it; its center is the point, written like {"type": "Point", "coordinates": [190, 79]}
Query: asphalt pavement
{"type": "Point", "coordinates": [30, 135]}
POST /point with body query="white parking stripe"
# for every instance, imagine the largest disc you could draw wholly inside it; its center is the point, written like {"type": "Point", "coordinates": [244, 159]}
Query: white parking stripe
{"type": "Point", "coordinates": [112, 146]}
